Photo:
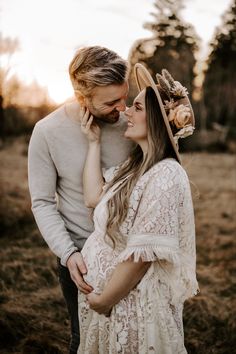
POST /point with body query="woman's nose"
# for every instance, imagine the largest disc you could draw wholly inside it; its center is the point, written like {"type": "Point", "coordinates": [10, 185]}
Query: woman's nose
{"type": "Point", "coordinates": [127, 112]}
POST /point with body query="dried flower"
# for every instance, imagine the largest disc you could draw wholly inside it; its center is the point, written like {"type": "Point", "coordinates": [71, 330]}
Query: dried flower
{"type": "Point", "coordinates": [180, 116]}
{"type": "Point", "coordinates": [184, 132]}
{"type": "Point", "coordinates": [164, 84]}
{"type": "Point", "coordinates": [178, 90]}
{"type": "Point", "coordinates": [171, 104]}
{"type": "Point", "coordinates": [165, 73]}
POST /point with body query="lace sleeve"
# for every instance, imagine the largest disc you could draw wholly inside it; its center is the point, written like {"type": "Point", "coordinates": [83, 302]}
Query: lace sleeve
{"type": "Point", "coordinates": [154, 234]}
{"type": "Point", "coordinates": [164, 230]}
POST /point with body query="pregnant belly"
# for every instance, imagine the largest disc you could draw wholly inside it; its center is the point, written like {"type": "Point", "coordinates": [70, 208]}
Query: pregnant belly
{"type": "Point", "coordinates": [100, 261]}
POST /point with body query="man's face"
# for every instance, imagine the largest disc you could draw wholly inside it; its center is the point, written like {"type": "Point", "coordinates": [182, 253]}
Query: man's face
{"type": "Point", "coordinates": [107, 102]}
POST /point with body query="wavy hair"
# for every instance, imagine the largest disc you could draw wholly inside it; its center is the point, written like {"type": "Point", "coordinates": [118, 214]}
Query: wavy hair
{"type": "Point", "coordinates": [96, 66]}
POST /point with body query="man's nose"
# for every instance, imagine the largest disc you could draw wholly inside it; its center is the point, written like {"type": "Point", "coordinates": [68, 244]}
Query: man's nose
{"type": "Point", "coordinates": [121, 106]}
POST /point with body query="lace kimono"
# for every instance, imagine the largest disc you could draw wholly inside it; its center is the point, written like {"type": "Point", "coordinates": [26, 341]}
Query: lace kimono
{"type": "Point", "coordinates": [159, 227]}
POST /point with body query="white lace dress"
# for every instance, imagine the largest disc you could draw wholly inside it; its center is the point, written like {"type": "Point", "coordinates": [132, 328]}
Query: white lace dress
{"type": "Point", "coordinates": [159, 227]}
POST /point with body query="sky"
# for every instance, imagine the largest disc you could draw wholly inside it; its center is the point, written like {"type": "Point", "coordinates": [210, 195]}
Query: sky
{"type": "Point", "coordinates": [50, 31]}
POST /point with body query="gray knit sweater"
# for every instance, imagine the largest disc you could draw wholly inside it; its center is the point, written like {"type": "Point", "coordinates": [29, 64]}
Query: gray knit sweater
{"type": "Point", "coordinates": [57, 152]}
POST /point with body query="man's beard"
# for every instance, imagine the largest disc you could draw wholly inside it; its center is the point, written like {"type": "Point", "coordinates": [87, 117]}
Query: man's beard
{"type": "Point", "coordinates": [111, 117]}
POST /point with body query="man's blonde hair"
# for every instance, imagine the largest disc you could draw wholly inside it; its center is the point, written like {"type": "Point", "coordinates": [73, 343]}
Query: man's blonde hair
{"type": "Point", "coordinates": [96, 66]}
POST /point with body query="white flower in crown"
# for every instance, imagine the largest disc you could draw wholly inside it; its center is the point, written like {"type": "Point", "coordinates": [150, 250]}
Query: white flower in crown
{"type": "Point", "coordinates": [184, 132]}
{"type": "Point", "coordinates": [178, 90]}
{"type": "Point", "coordinates": [171, 104]}
{"type": "Point", "coordinates": [180, 116]}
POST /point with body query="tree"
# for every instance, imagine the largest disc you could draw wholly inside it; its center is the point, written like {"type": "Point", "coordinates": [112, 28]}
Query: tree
{"type": "Point", "coordinates": [220, 76]}
{"type": "Point", "coordinates": [8, 46]}
{"type": "Point", "coordinates": [172, 46]}
{"type": "Point", "coordinates": [21, 104]}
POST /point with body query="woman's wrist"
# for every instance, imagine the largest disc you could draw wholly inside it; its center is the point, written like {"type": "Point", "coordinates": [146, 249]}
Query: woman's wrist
{"type": "Point", "coordinates": [105, 300]}
{"type": "Point", "coordinates": [94, 143]}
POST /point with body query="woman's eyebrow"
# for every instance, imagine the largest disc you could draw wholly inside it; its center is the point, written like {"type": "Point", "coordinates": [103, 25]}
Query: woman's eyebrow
{"type": "Point", "coordinates": [138, 103]}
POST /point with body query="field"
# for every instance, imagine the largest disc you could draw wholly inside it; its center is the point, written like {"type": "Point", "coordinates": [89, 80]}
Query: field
{"type": "Point", "coordinates": [33, 314]}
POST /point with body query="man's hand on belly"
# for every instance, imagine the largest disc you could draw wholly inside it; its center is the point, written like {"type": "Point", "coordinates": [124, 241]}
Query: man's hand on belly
{"type": "Point", "coordinates": [77, 269]}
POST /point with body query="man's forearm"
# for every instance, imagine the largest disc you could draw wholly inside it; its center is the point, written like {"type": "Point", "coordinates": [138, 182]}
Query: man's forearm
{"type": "Point", "coordinates": [52, 228]}
{"type": "Point", "coordinates": [125, 277]}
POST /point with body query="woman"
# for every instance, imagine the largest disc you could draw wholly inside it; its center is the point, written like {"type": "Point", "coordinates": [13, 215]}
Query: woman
{"type": "Point", "coordinates": [141, 257]}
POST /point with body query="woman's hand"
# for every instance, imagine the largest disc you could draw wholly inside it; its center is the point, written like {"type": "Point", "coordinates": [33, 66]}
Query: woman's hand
{"type": "Point", "coordinates": [96, 304]}
{"type": "Point", "coordinates": [88, 126]}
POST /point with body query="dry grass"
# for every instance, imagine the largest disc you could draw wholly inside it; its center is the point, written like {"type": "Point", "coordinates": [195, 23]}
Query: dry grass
{"type": "Point", "coordinates": [33, 315]}
{"type": "Point", "coordinates": [210, 321]}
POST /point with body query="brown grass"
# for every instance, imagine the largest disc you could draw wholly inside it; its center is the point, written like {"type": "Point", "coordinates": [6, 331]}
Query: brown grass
{"type": "Point", "coordinates": [33, 315]}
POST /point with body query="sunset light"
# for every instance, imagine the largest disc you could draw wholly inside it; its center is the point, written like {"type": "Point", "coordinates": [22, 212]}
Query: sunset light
{"type": "Point", "coordinates": [50, 31]}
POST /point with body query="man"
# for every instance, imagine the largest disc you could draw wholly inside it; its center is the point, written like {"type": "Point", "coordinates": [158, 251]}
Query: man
{"type": "Point", "coordinates": [57, 153]}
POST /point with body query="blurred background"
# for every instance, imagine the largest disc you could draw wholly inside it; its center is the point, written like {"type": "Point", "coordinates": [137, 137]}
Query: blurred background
{"type": "Point", "coordinates": [196, 41]}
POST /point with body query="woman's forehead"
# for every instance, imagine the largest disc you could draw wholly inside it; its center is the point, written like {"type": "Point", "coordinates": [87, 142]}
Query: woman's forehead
{"type": "Point", "coordinates": [141, 97]}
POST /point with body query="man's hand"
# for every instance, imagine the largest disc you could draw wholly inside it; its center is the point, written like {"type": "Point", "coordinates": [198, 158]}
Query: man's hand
{"type": "Point", "coordinates": [96, 304]}
{"type": "Point", "coordinates": [77, 269]}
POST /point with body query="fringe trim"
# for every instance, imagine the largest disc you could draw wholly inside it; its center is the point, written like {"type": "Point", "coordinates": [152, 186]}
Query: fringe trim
{"type": "Point", "coordinates": [188, 276]}
{"type": "Point", "coordinates": [181, 294]}
{"type": "Point", "coordinates": [151, 254]}
{"type": "Point", "coordinates": [181, 276]}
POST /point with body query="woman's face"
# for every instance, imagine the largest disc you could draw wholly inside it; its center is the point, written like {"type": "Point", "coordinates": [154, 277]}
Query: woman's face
{"type": "Point", "coordinates": [137, 123]}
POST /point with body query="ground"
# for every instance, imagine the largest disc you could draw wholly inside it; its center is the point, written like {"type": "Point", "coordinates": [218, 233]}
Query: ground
{"type": "Point", "coordinates": [33, 314]}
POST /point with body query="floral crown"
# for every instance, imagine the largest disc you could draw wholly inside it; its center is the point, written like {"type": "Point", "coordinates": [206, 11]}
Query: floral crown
{"type": "Point", "coordinates": [177, 105]}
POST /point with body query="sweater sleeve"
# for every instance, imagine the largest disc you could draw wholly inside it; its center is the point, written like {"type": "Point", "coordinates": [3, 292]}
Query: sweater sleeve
{"type": "Point", "coordinates": [42, 177]}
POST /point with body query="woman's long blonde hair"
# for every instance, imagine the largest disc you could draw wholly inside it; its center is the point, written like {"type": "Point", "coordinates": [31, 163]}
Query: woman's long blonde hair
{"type": "Point", "coordinates": [159, 147]}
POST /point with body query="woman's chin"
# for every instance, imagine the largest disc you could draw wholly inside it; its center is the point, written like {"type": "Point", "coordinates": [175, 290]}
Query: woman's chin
{"type": "Point", "coordinates": [127, 135]}
{"type": "Point", "coordinates": [130, 136]}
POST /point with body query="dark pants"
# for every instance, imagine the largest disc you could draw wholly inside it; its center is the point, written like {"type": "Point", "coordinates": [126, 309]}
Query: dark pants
{"type": "Point", "coordinates": [70, 292]}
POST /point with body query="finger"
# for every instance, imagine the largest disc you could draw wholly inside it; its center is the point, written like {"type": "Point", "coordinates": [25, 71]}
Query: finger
{"type": "Point", "coordinates": [85, 288]}
{"type": "Point", "coordinates": [85, 117]}
{"type": "Point", "coordinates": [89, 122]}
{"type": "Point", "coordinates": [85, 292]}
{"type": "Point", "coordinates": [80, 283]}
{"type": "Point", "coordinates": [81, 265]}
{"type": "Point", "coordinates": [81, 113]}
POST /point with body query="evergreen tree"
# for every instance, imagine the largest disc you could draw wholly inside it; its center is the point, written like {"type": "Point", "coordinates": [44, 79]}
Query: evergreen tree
{"type": "Point", "coordinates": [220, 75]}
{"type": "Point", "coordinates": [172, 46]}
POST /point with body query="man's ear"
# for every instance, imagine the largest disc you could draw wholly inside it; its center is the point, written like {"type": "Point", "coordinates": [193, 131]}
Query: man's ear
{"type": "Point", "coordinates": [80, 97]}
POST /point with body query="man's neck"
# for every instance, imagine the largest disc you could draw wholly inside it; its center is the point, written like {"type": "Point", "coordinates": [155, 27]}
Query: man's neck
{"type": "Point", "coordinates": [72, 110]}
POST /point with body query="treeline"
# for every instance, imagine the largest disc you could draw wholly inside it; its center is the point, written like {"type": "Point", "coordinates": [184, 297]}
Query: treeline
{"type": "Point", "coordinates": [174, 45]}
{"type": "Point", "coordinates": [21, 105]}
